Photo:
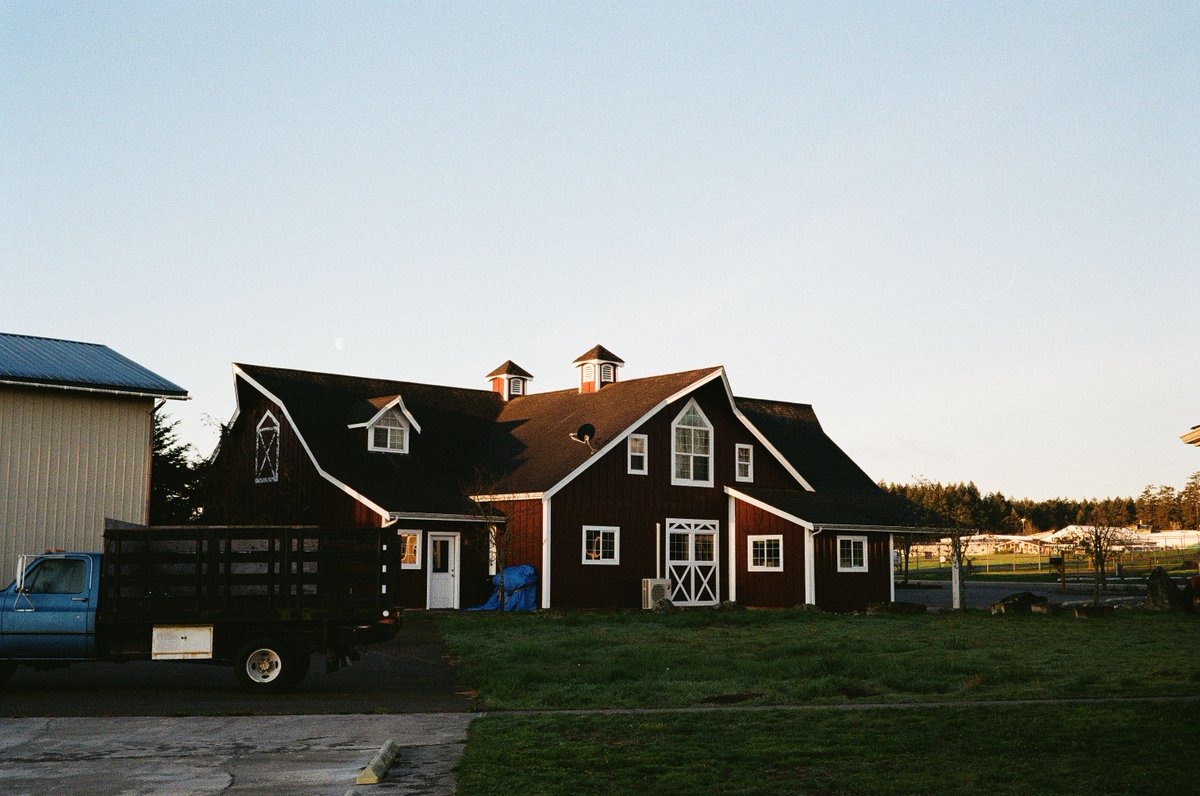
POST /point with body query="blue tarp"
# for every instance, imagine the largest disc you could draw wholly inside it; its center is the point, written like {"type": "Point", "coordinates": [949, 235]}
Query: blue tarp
{"type": "Point", "coordinates": [520, 590]}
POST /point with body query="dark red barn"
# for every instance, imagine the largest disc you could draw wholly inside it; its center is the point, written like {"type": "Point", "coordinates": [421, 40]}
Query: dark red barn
{"type": "Point", "coordinates": [617, 492]}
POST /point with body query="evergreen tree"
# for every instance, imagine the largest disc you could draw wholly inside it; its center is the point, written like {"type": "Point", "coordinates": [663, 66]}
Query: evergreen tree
{"type": "Point", "coordinates": [172, 475]}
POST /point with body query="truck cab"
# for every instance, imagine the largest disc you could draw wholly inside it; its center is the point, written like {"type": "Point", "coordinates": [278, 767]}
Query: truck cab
{"type": "Point", "coordinates": [49, 611]}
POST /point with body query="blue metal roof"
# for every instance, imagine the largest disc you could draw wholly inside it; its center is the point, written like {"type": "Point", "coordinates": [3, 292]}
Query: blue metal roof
{"type": "Point", "coordinates": [68, 364]}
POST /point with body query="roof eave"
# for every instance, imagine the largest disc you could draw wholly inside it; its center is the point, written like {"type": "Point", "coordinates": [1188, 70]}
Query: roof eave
{"type": "Point", "coordinates": [132, 393]}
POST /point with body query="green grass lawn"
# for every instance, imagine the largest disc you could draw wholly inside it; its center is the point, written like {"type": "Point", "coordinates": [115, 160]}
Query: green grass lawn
{"type": "Point", "coordinates": [789, 657]}
{"type": "Point", "coordinates": [1059, 749]}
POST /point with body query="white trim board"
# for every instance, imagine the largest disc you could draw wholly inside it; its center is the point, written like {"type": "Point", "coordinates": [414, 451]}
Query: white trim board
{"type": "Point", "coordinates": [398, 400]}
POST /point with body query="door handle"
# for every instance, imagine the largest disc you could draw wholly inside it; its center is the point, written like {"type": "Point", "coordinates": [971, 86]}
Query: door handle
{"type": "Point", "coordinates": [79, 599]}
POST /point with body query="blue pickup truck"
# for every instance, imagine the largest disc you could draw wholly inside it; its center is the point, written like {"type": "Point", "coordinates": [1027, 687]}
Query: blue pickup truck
{"type": "Point", "coordinates": [262, 600]}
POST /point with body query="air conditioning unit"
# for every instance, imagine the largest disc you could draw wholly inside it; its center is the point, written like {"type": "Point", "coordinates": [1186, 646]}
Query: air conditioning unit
{"type": "Point", "coordinates": [653, 590]}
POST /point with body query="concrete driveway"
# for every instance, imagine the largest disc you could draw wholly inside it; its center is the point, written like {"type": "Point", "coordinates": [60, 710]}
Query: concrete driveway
{"type": "Point", "coordinates": [149, 727]}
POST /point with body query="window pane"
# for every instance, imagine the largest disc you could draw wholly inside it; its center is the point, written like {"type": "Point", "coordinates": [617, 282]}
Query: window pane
{"type": "Point", "coordinates": [637, 463]}
{"type": "Point", "coordinates": [700, 441]}
{"type": "Point", "coordinates": [699, 468]}
{"type": "Point", "coordinates": [683, 466]}
{"type": "Point", "coordinates": [705, 546]}
{"type": "Point", "coordinates": [409, 540]}
{"type": "Point", "coordinates": [773, 554]}
{"type": "Point", "coordinates": [683, 440]}
{"type": "Point", "coordinates": [679, 547]}
{"type": "Point", "coordinates": [637, 444]}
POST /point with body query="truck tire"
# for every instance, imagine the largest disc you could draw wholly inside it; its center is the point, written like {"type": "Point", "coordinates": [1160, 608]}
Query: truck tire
{"type": "Point", "coordinates": [267, 665]}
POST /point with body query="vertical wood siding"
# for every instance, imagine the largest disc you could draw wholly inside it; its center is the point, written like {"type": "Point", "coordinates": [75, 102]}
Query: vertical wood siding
{"type": "Point", "coordinates": [605, 494]}
{"type": "Point", "coordinates": [769, 589]}
{"type": "Point", "coordinates": [851, 591]}
{"type": "Point", "coordinates": [67, 461]}
{"type": "Point", "coordinates": [523, 528]}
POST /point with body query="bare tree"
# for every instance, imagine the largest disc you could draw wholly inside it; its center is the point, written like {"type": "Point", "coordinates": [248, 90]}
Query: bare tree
{"type": "Point", "coordinates": [1100, 541]}
{"type": "Point", "coordinates": [482, 484]}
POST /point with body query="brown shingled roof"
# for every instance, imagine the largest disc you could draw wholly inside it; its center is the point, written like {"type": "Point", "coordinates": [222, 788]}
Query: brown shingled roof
{"type": "Point", "coordinates": [601, 353]}
{"type": "Point", "coordinates": [510, 368]}
{"type": "Point", "coordinates": [531, 450]}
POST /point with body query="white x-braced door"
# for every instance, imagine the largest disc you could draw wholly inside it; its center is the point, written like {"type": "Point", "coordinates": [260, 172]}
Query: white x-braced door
{"type": "Point", "coordinates": [692, 561]}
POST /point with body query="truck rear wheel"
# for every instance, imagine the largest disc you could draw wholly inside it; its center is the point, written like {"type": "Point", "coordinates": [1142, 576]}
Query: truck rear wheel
{"type": "Point", "coordinates": [269, 666]}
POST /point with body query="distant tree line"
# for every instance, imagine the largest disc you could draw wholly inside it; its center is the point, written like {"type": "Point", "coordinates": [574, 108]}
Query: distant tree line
{"type": "Point", "coordinates": [1158, 507]}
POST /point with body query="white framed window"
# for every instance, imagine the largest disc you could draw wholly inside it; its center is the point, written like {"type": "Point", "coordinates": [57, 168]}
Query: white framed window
{"type": "Point", "coordinates": [744, 461]}
{"type": "Point", "coordinates": [410, 549]}
{"type": "Point", "coordinates": [606, 373]}
{"type": "Point", "coordinates": [388, 434]}
{"type": "Point", "coordinates": [637, 456]}
{"type": "Point", "coordinates": [266, 450]}
{"type": "Point", "coordinates": [693, 443]}
{"type": "Point", "coordinates": [601, 544]}
{"type": "Point", "coordinates": [764, 553]}
{"type": "Point", "coordinates": [852, 553]}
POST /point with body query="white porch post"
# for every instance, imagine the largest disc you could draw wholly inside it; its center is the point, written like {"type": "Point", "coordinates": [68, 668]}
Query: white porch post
{"type": "Point", "coordinates": [810, 568]}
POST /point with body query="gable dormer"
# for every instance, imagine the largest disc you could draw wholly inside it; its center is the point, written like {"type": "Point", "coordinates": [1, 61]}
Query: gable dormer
{"type": "Point", "coordinates": [597, 368]}
{"type": "Point", "coordinates": [510, 380]}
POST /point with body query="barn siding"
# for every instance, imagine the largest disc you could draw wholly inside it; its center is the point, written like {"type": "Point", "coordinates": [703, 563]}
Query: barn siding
{"type": "Point", "coordinates": [851, 591]}
{"type": "Point", "coordinates": [768, 589]}
{"type": "Point", "coordinates": [605, 494]}
{"type": "Point", "coordinates": [68, 460]}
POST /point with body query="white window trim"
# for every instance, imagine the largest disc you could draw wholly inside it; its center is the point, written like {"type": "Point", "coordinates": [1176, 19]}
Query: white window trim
{"type": "Point", "coordinates": [712, 446]}
{"type": "Point", "coordinates": [750, 540]}
{"type": "Point", "coordinates": [516, 386]}
{"type": "Point", "coordinates": [616, 532]}
{"type": "Point", "coordinates": [645, 454]}
{"type": "Point", "coordinates": [838, 552]}
{"type": "Point", "coordinates": [371, 446]}
{"type": "Point", "coordinates": [737, 469]}
{"type": "Point", "coordinates": [258, 441]}
{"type": "Point", "coordinates": [608, 373]}
{"type": "Point", "coordinates": [404, 532]}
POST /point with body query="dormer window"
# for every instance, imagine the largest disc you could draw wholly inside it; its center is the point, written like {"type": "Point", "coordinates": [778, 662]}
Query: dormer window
{"type": "Point", "coordinates": [692, 439]}
{"type": "Point", "coordinates": [388, 434]}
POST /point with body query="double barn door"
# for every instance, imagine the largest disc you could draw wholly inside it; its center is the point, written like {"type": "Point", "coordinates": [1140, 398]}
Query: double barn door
{"type": "Point", "coordinates": [692, 561]}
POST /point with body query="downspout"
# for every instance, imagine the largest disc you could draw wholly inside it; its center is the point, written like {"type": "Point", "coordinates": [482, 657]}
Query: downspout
{"type": "Point", "coordinates": [658, 542]}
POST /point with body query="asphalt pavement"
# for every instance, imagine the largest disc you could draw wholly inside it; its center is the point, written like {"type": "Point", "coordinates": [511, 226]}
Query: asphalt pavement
{"type": "Point", "coordinates": [186, 728]}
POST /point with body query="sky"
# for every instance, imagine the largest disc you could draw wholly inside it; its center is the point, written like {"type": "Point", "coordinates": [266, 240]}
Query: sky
{"type": "Point", "coordinates": [967, 233]}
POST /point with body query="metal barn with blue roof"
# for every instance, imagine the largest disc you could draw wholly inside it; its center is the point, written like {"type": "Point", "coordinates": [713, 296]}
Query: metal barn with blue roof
{"type": "Point", "coordinates": [76, 430]}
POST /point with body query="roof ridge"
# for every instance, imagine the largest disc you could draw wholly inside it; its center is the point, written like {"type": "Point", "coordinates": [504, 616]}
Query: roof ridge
{"type": "Point", "coordinates": [51, 339]}
{"type": "Point", "coordinates": [244, 365]}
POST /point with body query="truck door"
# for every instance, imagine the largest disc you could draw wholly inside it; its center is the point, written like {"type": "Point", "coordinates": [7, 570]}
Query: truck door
{"type": "Point", "coordinates": [51, 616]}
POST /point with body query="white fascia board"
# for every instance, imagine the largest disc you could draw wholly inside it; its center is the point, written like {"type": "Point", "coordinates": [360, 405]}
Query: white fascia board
{"type": "Point", "coordinates": [397, 401]}
{"type": "Point", "coordinates": [779, 457]}
{"type": "Point", "coordinates": [617, 440]}
{"type": "Point", "coordinates": [509, 496]}
{"type": "Point", "coordinates": [382, 512]}
{"type": "Point", "coordinates": [850, 528]}
{"type": "Point", "coordinates": [767, 508]}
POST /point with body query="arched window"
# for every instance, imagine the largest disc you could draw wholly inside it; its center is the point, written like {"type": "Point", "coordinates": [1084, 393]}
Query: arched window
{"type": "Point", "coordinates": [606, 373]}
{"type": "Point", "coordinates": [693, 444]}
{"type": "Point", "coordinates": [266, 450]}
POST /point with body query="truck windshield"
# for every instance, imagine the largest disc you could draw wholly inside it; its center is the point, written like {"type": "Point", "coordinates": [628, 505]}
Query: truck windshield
{"type": "Point", "coordinates": [57, 576]}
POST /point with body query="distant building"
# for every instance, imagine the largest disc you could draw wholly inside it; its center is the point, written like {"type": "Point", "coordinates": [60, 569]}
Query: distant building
{"type": "Point", "coordinates": [75, 437]}
{"type": "Point", "coordinates": [1192, 437]}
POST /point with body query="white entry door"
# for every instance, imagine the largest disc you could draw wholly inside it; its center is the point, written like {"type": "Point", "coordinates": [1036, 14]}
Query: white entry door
{"type": "Point", "coordinates": [443, 570]}
{"type": "Point", "coordinates": [692, 561]}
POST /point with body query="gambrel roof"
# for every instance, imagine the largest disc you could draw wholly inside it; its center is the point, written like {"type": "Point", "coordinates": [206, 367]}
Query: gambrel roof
{"type": "Point", "coordinates": [66, 364]}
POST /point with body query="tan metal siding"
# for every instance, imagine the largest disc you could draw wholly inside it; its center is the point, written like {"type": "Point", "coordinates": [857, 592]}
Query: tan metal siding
{"type": "Point", "coordinates": [67, 461]}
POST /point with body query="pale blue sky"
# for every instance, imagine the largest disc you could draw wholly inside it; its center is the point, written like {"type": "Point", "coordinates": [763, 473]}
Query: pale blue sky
{"type": "Point", "coordinates": [968, 233]}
